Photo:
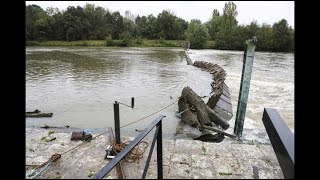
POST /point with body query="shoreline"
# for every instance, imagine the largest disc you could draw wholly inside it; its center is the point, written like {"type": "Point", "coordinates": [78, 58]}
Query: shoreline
{"type": "Point", "coordinates": [210, 45]}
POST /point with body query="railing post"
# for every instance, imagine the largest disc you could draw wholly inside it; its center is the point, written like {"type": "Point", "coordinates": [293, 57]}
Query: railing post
{"type": "Point", "coordinates": [244, 86]}
{"type": "Point", "coordinates": [282, 140]}
{"type": "Point", "coordinates": [159, 151]}
{"type": "Point", "coordinates": [116, 121]}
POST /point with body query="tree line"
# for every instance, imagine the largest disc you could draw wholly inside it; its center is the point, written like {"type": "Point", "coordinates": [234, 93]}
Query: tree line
{"type": "Point", "coordinates": [92, 22]}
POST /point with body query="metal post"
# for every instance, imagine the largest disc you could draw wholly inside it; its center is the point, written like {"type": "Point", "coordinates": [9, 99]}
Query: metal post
{"type": "Point", "coordinates": [132, 102]}
{"type": "Point", "coordinates": [244, 86]}
{"type": "Point", "coordinates": [116, 121]}
{"type": "Point", "coordinates": [159, 151]}
{"type": "Point", "coordinates": [282, 140]}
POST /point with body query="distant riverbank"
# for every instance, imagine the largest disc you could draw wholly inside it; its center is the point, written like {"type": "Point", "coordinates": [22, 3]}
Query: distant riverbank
{"type": "Point", "coordinates": [118, 43]}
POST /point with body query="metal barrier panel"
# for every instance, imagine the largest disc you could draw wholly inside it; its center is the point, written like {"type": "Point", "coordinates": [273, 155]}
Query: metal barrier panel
{"type": "Point", "coordinates": [282, 140]}
{"type": "Point", "coordinates": [157, 122]}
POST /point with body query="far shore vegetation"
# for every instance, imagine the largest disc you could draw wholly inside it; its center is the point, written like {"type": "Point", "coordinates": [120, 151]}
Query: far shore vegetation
{"type": "Point", "coordinates": [118, 43]}
{"type": "Point", "coordinates": [92, 25]}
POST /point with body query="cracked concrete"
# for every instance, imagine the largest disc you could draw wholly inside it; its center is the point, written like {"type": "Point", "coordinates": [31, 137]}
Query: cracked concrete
{"type": "Point", "coordinates": [182, 159]}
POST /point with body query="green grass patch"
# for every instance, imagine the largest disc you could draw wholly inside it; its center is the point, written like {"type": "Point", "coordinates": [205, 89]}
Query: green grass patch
{"type": "Point", "coordinates": [91, 173]}
{"type": "Point", "coordinates": [50, 132]}
{"type": "Point", "coordinates": [58, 177]}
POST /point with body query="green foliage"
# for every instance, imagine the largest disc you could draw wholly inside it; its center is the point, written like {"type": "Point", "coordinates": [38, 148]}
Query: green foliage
{"type": "Point", "coordinates": [197, 34]}
{"type": "Point", "coordinates": [50, 132]}
{"type": "Point", "coordinates": [109, 41]}
{"type": "Point", "coordinates": [214, 25]}
{"type": "Point", "coordinates": [138, 40]}
{"type": "Point", "coordinates": [282, 36]}
{"type": "Point", "coordinates": [225, 174]}
{"type": "Point", "coordinates": [125, 38]}
{"type": "Point", "coordinates": [84, 26]}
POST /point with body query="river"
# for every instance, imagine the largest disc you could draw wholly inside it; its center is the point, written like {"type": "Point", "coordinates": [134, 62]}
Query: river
{"type": "Point", "coordinates": [80, 84]}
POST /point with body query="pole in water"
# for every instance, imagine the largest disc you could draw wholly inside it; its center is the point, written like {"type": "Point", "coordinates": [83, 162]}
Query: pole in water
{"type": "Point", "coordinates": [116, 121]}
{"type": "Point", "coordinates": [244, 86]}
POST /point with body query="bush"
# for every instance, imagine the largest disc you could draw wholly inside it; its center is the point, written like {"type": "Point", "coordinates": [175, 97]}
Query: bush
{"type": "Point", "coordinates": [109, 41]}
{"type": "Point", "coordinates": [139, 40]}
{"type": "Point", "coordinates": [125, 38]}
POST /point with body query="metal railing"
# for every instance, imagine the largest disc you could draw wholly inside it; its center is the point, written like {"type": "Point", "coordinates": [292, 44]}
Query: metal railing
{"type": "Point", "coordinates": [157, 137]}
{"type": "Point", "coordinates": [282, 140]}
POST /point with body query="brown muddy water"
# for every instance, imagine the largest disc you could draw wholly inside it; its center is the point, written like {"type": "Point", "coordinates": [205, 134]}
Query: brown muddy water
{"type": "Point", "coordinates": [80, 84]}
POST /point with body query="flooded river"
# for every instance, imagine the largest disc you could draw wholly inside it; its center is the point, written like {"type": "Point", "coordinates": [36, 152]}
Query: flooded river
{"type": "Point", "coordinates": [80, 84]}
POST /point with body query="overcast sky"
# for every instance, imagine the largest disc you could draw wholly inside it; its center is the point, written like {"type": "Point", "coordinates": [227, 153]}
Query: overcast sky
{"type": "Point", "coordinates": [262, 11]}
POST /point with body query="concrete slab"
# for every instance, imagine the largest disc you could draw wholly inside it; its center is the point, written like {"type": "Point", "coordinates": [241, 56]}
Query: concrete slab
{"type": "Point", "coordinates": [182, 158]}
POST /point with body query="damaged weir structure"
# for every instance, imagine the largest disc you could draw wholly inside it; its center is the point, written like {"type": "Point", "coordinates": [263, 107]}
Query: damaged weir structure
{"type": "Point", "coordinates": [216, 112]}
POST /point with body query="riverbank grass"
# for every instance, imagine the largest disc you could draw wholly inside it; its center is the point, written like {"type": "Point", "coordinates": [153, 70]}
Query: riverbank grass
{"type": "Point", "coordinates": [118, 43]}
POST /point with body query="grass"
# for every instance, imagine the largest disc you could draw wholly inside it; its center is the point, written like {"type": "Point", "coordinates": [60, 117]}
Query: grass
{"type": "Point", "coordinates": [43, 138]}
{"type": "Point", "coordinates": [31, 150]}
{"type": "Point", "coordinates": [224, 174]}
{"type": "Point", "coordinates": [116, 43]}
{"type": "Point", "coordinates": [179, 130]}
{"type": "Point", "coordinates": [204, 149]}
{"type": "Point", "coordinates": [58, 177]}
{"type": "Point", "coordinates": [267, 160]}
{"type": "Point", "coordinates": [91, 173]}
{"type": "Point", "coordinates": [50, 132]}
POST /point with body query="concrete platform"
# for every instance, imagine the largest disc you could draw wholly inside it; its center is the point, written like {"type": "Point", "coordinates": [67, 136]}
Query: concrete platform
{"type": "Point", "coordinates": [182, 159]}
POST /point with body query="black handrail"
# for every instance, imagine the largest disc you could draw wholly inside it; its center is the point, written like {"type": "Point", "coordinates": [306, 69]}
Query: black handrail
{"type": "Point", "coordinates": [158, 134]}
{"type": "Point", "coordinates": [282, 140]}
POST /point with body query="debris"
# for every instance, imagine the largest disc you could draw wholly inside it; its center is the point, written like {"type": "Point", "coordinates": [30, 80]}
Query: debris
{"type": "Point", "coordinates": [75, 136]}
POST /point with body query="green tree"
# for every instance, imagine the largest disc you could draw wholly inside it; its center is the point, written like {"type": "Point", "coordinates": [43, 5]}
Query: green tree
{"type": "Point", "coordinates": [264, 35]}
{"type": "Point", "coordinates": [226, 35]}
{"type": "Point", "coordinates": [197, 34]}
{"type": "Point", "coordinates": [169, 26]}
{"type": "Point", "coordinates": [282, 36]}
{"type": "Point", "coordinates": [35, 22]}
{"type": "Point", "coordinates": [151, 30]}
{"type": "Point", "coordinates": [141, 26]}
{"type": "Point", "coordinates": [229, 16]}
{"type": "Point", "coordinates": [76, 24]}
{"type": "Point", "coordinates": [116, 24]}
{"type": "Point", "coordinates": [214, 25]}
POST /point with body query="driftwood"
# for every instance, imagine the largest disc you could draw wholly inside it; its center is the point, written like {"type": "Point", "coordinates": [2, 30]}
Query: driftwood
{"type": "Point", "coordinates": [203, 115]}
{"type": "Point", "coordinates": [218, 76]}
{"type": "Point", "coordinates": [46, 126]}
